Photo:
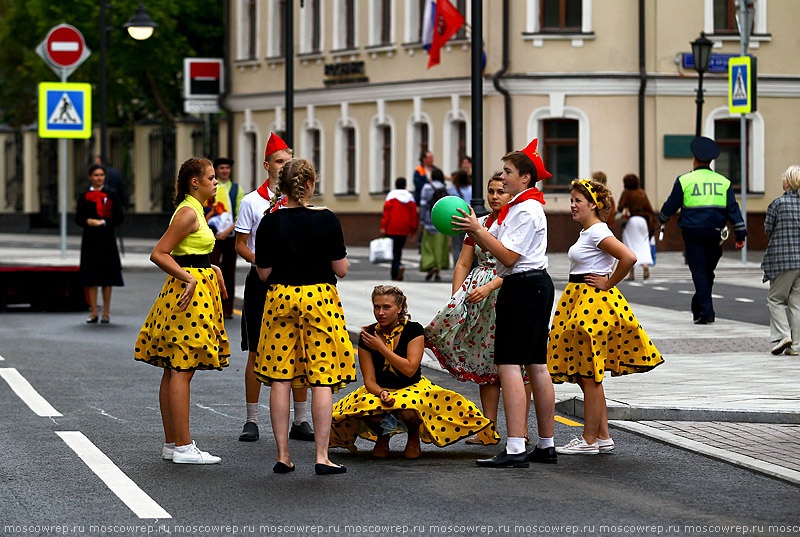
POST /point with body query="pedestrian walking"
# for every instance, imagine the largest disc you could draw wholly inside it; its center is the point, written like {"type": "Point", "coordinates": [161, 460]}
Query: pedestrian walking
{"type": "Point", "coordinates": [395, 396]}
{"type": "Point", "coordinates": [461, 335]}
{"type": "Point", "coordinates": [304, 342]}
{"type": "Point", "coordinates": [781, 265]}
{"type": "Point", "coordinates": [224, 253]}
{"type": "Point", "coordinates": [184, 330]}
{"type": "Point", "coordinates": [706, 201]}
{"type": "Point", "coordinates": [435, 246]}
{"type": "Point", "coordinates": [251, 210]}
{"type": "Point", "coordinates": [422, 174]}
{"type": "Point", "coordinates": [400, 219]}
{"type": "Point", "coordinates": [594, 331]}
{"type": "Point", "coordinates": [461, 187]}
{"type": "Point", "coordinates": [639, 225]}
{"type": "Point", "coordinates": [518, 240]}
{"type": "Point", "coordinates": [99, 212]}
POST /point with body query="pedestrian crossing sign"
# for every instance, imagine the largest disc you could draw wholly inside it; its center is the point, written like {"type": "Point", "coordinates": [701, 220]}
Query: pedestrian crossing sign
{"type": "Point", "coordinates": [742, 85]}
{"type": "Point", "coordinates": [65, 110]}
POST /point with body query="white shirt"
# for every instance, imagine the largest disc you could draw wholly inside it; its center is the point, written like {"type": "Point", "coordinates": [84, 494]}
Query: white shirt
{"type": "Point", "coordinates": [524, 232]}
{"type": "Point", "coordinates": [585, 255]}
{"type": "Point", "coordinates": [251, 211]}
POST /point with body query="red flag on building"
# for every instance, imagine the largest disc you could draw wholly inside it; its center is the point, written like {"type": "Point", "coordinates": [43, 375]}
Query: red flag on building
{"type": "Point", "coordinates": [446, 23]}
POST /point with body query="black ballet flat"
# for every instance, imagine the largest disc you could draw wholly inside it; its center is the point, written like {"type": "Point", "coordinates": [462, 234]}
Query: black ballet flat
{"type": "Point", "coordinates": [105, 319]}
{"type": "Point", "coordinates": [324, 469]}
{"type": "Point", "coordinates": [281, 468]}
{"type": "Point", "coordinates": [92, 320]}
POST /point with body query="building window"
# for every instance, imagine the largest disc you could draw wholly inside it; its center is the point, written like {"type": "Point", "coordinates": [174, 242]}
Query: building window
{"type": "Point", "coordinates": [385, 22]}
{"type": "Point", "coordinates": [251, 29]}
{"type": "Point", "coordinates": [315, 141]}
{"type": "Point", "coordinates": [316, 30]}
{"type": "Point", "coordinates": [275, 24]}
{"type": "Point", "coordinates": [350, 159]}
{"type": "Point", "coordinates": [461, 6]}
{"type": "Point", "coordinates": [422, 130]}
{"type": "Point", "coordinates": [725, 17]}
{"type": "Point", "coordinates": [727, 133]}
{"type": "Point", "coordinates": [559, 150]}
{"type": "Point", "coordinates": [248, 37]}
{"type": "Point", "coordinates": [561, 15]}
{"type": "Point", "coordinates": [310, 27]}
{"type": "Point", "coordinates": [253, 160]}
{"type": "Point", "coordinates": [461, 147]}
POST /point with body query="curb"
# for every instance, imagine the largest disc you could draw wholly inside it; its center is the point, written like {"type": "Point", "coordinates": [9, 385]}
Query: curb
{"type": "Point", "coordinates": [619, 411]}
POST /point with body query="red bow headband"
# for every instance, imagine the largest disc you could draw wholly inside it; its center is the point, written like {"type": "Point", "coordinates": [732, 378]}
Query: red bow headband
{"type": "Point", "coordinates": [274, 145]}
{"type": "Point", "coordinates": [532, 154]}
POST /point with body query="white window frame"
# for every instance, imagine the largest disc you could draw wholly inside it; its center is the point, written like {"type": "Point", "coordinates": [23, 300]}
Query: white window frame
{"type": "Point", "coordinates": [307, 28]}
{"type": "Point", "coordinates": [375, 15]}
{"type": "Point", "coordinates": [306, 147]}
{"type": "Point", "coordinates": [450, 138]}
{"type": "Point", "coordinates": [243, 44]}
{"type": "Point", "coordinates": [244, 171]}
{"type": "Point", "coordinates": [413, 140]}
{"type": "Point", "coordinates": [535, 130]}
{"type": "Point", "coordinates": [413, 33]}
{"type": "Point", "coordinates": [533, 27]}
{"type": "Point", "coordinates": [759, 25]}
{"type": "Point", "coordinates": [375, 152]}
{"type": "Point", "coordinates": [755, 156]}
{"type": "Point", "coordinates": [339, 161]}
{"type": "Point", "coordinates": [275, 29]}
{"type": "Point", "coordinates": [339, 36]}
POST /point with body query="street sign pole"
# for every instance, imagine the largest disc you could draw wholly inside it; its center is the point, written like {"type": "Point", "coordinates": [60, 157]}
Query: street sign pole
{"type": "Point", "coordinates": [62, 172]}
{"type": "Point", "coordinates": [745, 20]}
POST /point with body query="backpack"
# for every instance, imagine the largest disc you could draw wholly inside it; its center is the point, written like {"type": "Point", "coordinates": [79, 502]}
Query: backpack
{"type": "Point", "coordinates": [438, 193]}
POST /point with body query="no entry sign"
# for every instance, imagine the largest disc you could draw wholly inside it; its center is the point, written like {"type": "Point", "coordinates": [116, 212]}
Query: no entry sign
{"type": "Point", "coordinates": [63, 49]}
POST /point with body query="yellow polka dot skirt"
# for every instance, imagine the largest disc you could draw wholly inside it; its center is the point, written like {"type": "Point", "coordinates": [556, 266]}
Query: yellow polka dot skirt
{"type": "Point", "coordinates": [304, 338]}
{"type": "Point", "coordinates": [446, 416]}
{"type": "Point", "coordinates": [595, 332]}
{"type": "Point", "coordinates": [190, 339]}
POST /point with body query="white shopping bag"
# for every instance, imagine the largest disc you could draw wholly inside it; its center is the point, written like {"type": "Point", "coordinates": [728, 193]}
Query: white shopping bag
{"type": "Point", "coordinates": [380, 250]}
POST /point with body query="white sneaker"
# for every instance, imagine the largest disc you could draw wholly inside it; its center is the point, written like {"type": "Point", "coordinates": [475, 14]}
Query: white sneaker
{"type": "Point", "coordinates": [606, 446]}
{"type": "Point", "coordinates": [167, 452]}
{"type": "Point", "coordinates": [194, 456]}
{"type": "Point", "coordinates": [782, 345]}
{"type": "Point", "coordinates": [579, 446]}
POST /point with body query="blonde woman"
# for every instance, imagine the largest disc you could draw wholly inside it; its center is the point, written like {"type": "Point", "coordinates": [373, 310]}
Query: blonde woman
{"type": "Point", "coordinates": [304, 341]}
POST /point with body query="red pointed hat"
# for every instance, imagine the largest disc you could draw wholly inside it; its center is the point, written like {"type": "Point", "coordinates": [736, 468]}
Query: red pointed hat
{"type": "Point", "coordinates": [274, 144]}
{"type": "Point", "coordinates": [532, 154]}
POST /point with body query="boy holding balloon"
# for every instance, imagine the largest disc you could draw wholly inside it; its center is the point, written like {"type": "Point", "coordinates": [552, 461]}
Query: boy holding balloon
{"type": "Point", "coordinates": [518, 240]}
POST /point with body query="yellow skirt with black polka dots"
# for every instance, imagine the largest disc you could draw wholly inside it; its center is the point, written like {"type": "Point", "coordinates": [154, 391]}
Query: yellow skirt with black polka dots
{"type": "Point", "coordinates": [185, 340]}
{"type": "Point", "coordinates": [304, 338]}
{"type": "Point", "coordinates": [595, 332]}
{"type": "Point", "coordinates": [446, 416]}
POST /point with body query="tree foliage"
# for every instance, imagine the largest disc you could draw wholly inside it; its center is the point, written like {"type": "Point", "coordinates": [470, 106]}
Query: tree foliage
{"type": "Point", "coordinates": [144, 78]}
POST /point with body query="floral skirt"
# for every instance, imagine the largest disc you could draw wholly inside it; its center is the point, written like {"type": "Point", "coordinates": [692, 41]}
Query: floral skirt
{"type": "Point", "coordinates": [304, 338]}
{"type": "Point", "coordinates": [446, 417]}
{"type": "Point", "coordinates": [595, 332]}
{"type": "Point", "coordinates": [185, 340]}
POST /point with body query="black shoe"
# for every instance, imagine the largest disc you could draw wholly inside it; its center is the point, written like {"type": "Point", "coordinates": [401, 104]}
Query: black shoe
{"type": "Point", "coordinates": [504, 460]}
{"type": "Point", "coordinates": [281, 468]}
{"type": "Point", "coordinates": [249, 432]}
{"type": "Point", "coordinates": [92, 319]}
{"type": "Point", "coordinates": [302, 432]}
{"type": "Point", "coordinates": [701, 320]}
{"type": "Point", "coordinates": [543, 455]}
{"type": "Point", "coordinates": [324, 469]}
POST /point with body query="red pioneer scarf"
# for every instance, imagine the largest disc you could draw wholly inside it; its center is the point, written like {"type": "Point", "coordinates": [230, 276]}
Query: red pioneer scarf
{"type": "Point", "coordinates": [263, 191]}
{"type": "Point", "coordinates": [102, 203]}
{"type": "Point", "coordinates": [530, 194]}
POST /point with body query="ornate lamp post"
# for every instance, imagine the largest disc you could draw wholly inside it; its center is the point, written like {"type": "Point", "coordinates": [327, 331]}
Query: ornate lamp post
{"type": "Point", "coordinates": [701, 51]}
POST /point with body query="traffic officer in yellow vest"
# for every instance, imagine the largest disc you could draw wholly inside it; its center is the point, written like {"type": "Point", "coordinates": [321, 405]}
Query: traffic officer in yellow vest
{"type": "Point", "coordinates": [707, 202]}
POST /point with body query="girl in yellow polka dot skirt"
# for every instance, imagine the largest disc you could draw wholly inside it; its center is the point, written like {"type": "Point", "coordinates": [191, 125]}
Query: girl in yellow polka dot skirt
{"type": "Point", "coordinates": [184, 330]}
{"type": "Point", "coordinates": [395, 396]}
{"type": "Point", "coordinates": [594, 330]}
{"type": "Point", "coordinates": [304, 341]}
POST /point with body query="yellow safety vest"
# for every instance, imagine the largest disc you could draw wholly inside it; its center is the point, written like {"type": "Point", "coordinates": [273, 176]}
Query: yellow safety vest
{"type": "Point", "coordinates": [704, 188]}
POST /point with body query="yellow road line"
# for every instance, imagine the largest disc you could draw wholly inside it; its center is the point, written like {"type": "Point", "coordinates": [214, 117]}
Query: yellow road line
{"type": "Point", "coordinates": [237, 312]}
{"type": "Point", "coordinates": [568, 422]}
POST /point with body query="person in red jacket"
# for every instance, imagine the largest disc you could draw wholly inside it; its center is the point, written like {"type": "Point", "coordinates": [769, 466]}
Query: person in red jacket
{"type": "Point", "coordinates": [400, 219]}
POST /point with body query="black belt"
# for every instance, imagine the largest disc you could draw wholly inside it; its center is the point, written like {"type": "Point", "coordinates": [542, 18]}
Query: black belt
{"type": "Point", "coordinates": [536, 273]}
{"type": "Point", "coordinates": [578, 278]}
{"type": "Point", "coordinates": [194, 260]}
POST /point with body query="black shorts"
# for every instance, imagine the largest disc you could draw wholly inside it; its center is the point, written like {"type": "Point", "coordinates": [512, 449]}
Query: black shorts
{"type": "Point", "coordinates": [523, 309]}
{"type": "Point", "coordinates": [255, 295]}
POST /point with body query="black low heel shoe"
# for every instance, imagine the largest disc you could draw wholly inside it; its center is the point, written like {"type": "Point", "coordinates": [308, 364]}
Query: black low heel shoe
{"type": "Point", "coordinates": [281, 468]}
{"type": "Point", "coordinates": [324, 469]}
{"type": "Point", "coordinates": [92, 320]}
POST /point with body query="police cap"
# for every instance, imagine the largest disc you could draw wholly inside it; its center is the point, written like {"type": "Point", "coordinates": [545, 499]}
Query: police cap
{"type": "Point", "coordinates": [222, 160]}
{"type": "Point", "coordinates": [704, 149]}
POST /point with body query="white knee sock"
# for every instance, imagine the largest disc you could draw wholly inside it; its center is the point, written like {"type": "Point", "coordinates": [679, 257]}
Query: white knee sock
{"type": "Point", "coordinates": [300, 410]}
{"type": "Point", "coordinates": [252, 412]}
{"type": "Point", "coordinates": [544, 443]}
{"type": "Point", "coordinates": [515, 446]}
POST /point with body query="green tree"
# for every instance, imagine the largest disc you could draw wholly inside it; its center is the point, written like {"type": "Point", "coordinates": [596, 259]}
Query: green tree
{"type": "Point", "coordinates": [144, 78]}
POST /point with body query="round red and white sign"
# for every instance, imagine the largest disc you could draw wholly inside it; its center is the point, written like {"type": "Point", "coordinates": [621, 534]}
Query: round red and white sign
{"type": "Point", "coordinates": [64, 46]}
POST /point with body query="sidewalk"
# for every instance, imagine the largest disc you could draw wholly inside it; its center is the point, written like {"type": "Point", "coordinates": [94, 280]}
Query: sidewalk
{"type": "Point", "coordinates": [718, 392]}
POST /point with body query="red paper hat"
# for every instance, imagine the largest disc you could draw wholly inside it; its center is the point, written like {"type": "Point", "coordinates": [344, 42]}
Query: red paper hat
{"type": "Point", "coordinates": [532, 154]}
{"type": "Point", "coordinates": [274, 144]}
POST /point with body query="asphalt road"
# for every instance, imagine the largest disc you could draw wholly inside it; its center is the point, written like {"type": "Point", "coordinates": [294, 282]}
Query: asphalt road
{"type": "Point", "coordinates": [88, 374]}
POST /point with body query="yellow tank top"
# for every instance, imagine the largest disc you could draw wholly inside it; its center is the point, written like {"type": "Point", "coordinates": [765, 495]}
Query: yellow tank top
{"type": "Point", "coordinates": [199, 242]}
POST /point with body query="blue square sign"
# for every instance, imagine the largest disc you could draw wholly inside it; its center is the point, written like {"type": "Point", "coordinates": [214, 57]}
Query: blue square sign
{"type": "Point", "coordinates": [65, 110]}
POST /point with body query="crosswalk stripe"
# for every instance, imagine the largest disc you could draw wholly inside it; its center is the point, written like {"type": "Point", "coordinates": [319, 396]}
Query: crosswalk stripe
{"type": "Point", "coordinates": [115, 479]}
{"type": "Point", "coordinates": [2, 359]}
{"type": "Point", "coordinates": [28, 394]}
{"type": "Point", "coordinates": [745, 300]}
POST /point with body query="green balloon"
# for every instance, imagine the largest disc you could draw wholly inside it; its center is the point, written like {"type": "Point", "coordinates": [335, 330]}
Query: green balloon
{"type": "Point", "coordinates": [444, 210]}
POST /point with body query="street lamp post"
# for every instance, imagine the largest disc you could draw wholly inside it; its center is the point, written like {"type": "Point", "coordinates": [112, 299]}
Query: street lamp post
{"type": "Point", "coordinates": [140, 27]}
{"type": "Point", "coordinates": [701, 52]}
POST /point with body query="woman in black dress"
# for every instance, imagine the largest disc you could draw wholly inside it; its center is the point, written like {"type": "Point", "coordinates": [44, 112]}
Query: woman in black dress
{"type": "Point", "coordinates": [98, 212]}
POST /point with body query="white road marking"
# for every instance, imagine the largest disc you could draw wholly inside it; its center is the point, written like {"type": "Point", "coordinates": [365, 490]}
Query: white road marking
{"type": "Point", "coordinates": [659, 288]}
{"type": "Point", "coordinates": [745, 300]}
{"type": "Point", "coordinates": [2, 359]}
{"type": "Point", "coordinates": [115, 479]}
{"type": "Point", "coordinates": [685, 292]}
{"type": "Point", "coordinates": [106, 414]}
{"type": "Point", "coordinates": [716, 296]}
{"type": "Point", "coordinates": [29, 396]}
{"type": "Point", "coordinates": [635, 284]}
{"type": "Point", "coordinates": [198, 405]}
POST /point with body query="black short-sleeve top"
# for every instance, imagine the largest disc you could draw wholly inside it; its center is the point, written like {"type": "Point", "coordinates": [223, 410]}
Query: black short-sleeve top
{"type": "Point", "coordinates": [299, 244]}
{"type": "Point", "coordinates": [389, 378]}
